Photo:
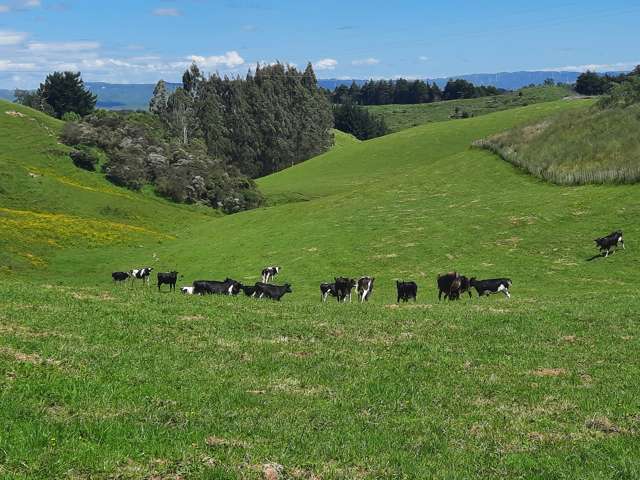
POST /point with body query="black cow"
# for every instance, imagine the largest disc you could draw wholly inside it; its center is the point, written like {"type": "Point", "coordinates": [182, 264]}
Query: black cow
{"type": "Point", "coordinates": [344, 287]}
{"type": "Point", "coordinates": [168, 278]}
{"type": "Point", "coordinates": [249, 290]}
{"type": "Point", "coordinates": [327, 289]}
{"type": "Point", "coordinates": [465, 286]}
{"type": "Point", "coordinates": [365, 287]}
{"type": "Point", "coordinates": [493, 285]}
{"type": "Point", "coordinates": [269, 272]}
{"type": "Point", "coordinates": [407, 291]}
{"type": "Point", "coordinates": [449, 284]}
{"type": "Point", "coordinates": [141, 274]}
{"type": "Point", "coordinates": [214, 287]}
{"type": "Point", "coordinates": [274, 292]}
{"type": "Point", "coordinates": [611, 241]}
{"type": "Point", "coordinates": [119, 276]}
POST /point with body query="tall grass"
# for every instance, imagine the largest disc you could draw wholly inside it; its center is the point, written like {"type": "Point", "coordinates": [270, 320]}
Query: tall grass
{"type": "Point", "coordinates": [580, 147]}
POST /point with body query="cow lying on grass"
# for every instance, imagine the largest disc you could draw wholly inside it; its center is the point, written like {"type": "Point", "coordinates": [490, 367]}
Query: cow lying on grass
{"type": "Point", "coordinates": [214, 287]}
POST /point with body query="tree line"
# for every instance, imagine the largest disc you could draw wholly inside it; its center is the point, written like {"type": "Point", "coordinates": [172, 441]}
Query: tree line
{"type": "Point", "coordinates": [592, 83]}
{"type": "Point", "coordinates": [273, 118]}
{"type": "Point", "coordinates": [402, 91]}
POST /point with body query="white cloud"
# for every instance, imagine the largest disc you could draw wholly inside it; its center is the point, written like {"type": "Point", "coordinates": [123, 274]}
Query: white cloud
{"type": "Point", "coordinates": [230, 59]}
{"type": "Point", "coordinates": [19, 5]}
{"type": "Point", "coordinates": [325, 64]}
{"type": "Point", "coordinates": [9, 65]}
{"type": "Point", "coordinates": [594, 67]}
{"type": "Point", "coordinates": [166, 12]}
{"type": "Point", "coordinates": [4, 8]}
{"type": "Point", "coordinates": [366, 61]}
{"type": "Point", "coordinates": [423, 58]}
{"type": "Point", "coordinates": [62, 46]}
{"type": "Point", "coordinates": [11, 38]}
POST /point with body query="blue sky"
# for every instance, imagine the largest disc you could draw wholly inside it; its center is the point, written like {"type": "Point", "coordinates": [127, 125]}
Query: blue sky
{"type": "Point", "coordinates": [143, 41]}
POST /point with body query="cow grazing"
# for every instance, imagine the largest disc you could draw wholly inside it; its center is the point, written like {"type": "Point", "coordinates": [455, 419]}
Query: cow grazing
{"type": "Point", "coordinates": [494, 285]}
{"type": "Point", "coordinates": [141, 274]}
{"type": "Point", "coordinates": [214, 287]}
{"type": "Point", "coordinates": [274, 292]}
{"type": "Point", "coordinates": [365, 287]}
{"type": "Point", "coordinates": [449, 284]}
{"type": "Point", "coordinates": [406, 291]}
{"type": "Point", "coordinates": [119, 276]}
{"type": "Point", "coordinates": [168, 278]}
{"type": "Point", "coordinates": [610, 242]}
{"type": "Point", "coordinates": [186, 290]}
{"type": "Point", "coordinates": [269, 272]}
{"type": "Point", "coordinates": [344, 286]}
{"type": "Point", "coordinates": [327, 289]}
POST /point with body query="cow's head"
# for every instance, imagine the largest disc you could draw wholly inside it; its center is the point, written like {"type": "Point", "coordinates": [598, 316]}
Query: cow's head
{"type": "Point", "coordinates": [287, 288]}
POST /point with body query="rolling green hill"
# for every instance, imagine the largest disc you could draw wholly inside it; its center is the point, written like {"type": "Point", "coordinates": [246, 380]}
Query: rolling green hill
{"type": "Point", "coordinates": [102, 381]}
{"type": "Point", "coordinates": [573, 148]}
{"type": "Point", "coordinates": [401, 117]}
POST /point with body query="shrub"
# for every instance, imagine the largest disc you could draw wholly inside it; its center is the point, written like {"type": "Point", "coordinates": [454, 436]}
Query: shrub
{"type": "Point", "coordinates": [70, 117]}
{"type": "Point", "coordinates": [83, 159]}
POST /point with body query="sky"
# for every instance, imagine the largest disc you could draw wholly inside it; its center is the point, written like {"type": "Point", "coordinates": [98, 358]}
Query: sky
{"type": "Point", "coordinates": [143, 41]}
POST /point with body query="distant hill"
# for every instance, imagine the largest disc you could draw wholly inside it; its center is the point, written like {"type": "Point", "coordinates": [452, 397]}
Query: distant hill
{"type": "Point", "coordinates": [116, 96]}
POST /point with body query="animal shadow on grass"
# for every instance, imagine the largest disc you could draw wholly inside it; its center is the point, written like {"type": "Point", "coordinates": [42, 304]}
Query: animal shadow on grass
{"type": "Point", "coordinates": [599, 255]}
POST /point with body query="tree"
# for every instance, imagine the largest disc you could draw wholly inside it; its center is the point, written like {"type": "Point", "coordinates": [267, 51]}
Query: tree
{"type": "Point", "coordinates": [590, 83]}
{"type": "Point", "coordinates": [158, 103]}
{"type": "Point", "coordinates": [65, 92]}
{"type": "Point", "coordinates": [180, 114]}
{"type": "Point", "coordinates": [358, 121]}
{"type": "Point", "coordinates": [549, 82]}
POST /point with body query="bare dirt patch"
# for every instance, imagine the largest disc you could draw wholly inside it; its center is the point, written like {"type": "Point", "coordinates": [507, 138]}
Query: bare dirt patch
{"type": "Point", "coordinates": [32, 358]}
{"type": "Point", "coordinates": [213, 441]}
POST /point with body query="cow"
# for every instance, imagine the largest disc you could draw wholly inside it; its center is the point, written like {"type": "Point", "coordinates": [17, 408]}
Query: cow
{"type": "Point", "coordinates": [141, 274]}
{"type": "Point", "coordinates": [493, 285]}
{"type": "Point", "coordinates": [406, 291]}
{"type": "Point", "coordinates": [465, 286]}
{"type": "Point", "coordinates": [269, 272]}
{"type": "Point", "coordinates": [168, 278]}
{"type": "Point", "coordinates": [187, 290]}
{"type": "Point", "coordinates": [274, 292]}
{"type": "Point", "coordinates": [211, 287]}
{"type": "Point", "coordinates": [449, 285]}
{"type": "Point", "coordinates": [611, 241]}
{"type": "Point", "coordinates": [344, 287]}
{"type": "Point", "coordinates": [365, 287]}
{"type": "Point", "coordinates": [327, 289]}
{"type": "Point", "coordinates": [249, 290]}
{"type": "Point", "coordinates": [119, 276]}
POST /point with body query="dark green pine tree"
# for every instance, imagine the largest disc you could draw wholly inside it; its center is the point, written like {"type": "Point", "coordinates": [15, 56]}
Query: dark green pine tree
{"type": "Point", "coordinates": [65, 92]}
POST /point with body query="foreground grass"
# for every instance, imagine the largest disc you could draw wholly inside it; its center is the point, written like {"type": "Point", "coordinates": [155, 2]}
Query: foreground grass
{"type": "Point", "coordinates": [401, 117]}
{"type": "Point", "coordinates": [590, 146]}
{"type": "Point", "coordinates": [121, 383]}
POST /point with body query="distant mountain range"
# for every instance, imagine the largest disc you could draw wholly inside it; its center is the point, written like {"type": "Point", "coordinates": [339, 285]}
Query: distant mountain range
{"type": "Point", "coordinates": [136, 96]}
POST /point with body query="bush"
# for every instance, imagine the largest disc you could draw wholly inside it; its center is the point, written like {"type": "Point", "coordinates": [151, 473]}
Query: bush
{"type": "Point", "coordinates": [83, 159]}
{"type": "Point", "coordinates": [71, 117]}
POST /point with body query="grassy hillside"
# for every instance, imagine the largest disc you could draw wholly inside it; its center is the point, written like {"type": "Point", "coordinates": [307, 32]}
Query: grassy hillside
{"type": "Point", "coordinates": [119, 382]}
{"type": "Point", "coordinates": [574, 148]}
{"type": "Point", "coordinates": [401, 117]}
{"type": "Point", "coordinates": [47, 204]}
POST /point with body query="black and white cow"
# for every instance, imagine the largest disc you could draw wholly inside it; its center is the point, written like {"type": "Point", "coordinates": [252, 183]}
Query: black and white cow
{"type": "Point", "coordinates": [493, 285]}
{"type": "Point", "coordinates": [119, 276]}
{"type": "Point", "coordinates": [449, 285]}
{"type": "Point", "coordinates": [249, 290]}
{"type": "Point", "coordinates": [168, 278]}
{"type": "Point", "coordinates": [141, 274]}
{"type": "Point", "coordinates": [365, 287]}
{"type": "Point", "coordinates": [187, 290]}
{"type": "Point", "coordinates": [344, 286]}
{"type": "Point", "coordinates": [213, 287]}
{"type": "Point", "coordinates": [327, 289]}
{"type": "Point", "coordinates": [611, 241]}
{"type": "Point", "coordinates": [269, 272]}
{"type": "Point", "coordinates": [274, 292]}
{"type": "Point", "coordinates": [406, 291]}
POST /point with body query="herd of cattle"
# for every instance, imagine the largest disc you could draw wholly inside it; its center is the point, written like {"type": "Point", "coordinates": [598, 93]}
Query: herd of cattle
{"type": "Point", "coordinates": [451, 285]}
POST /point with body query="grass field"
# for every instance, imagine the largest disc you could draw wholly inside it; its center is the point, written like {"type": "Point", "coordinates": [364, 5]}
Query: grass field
{"type": "Point", "coordinates": [401, 117]}
{"type": "Point", "coordinates": [575, 148]}
{"type": "Point", "coordinates": [118, 382]}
